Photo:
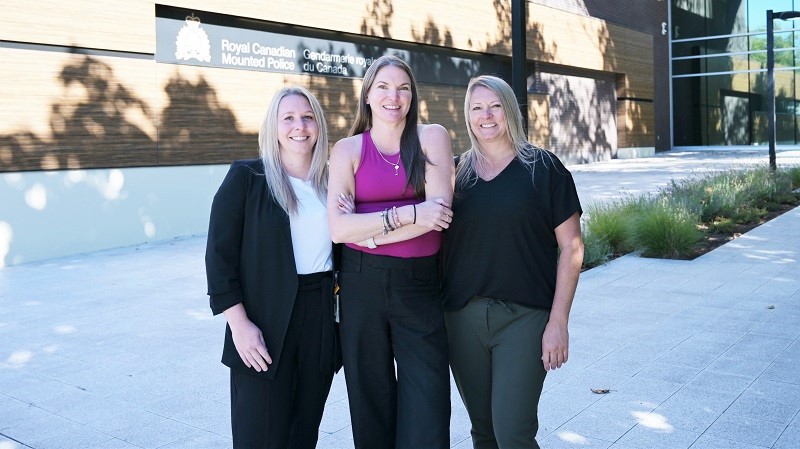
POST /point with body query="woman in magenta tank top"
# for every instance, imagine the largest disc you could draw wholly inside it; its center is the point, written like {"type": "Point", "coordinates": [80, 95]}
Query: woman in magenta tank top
{"type": "Point", "coordinates": [389, 193]}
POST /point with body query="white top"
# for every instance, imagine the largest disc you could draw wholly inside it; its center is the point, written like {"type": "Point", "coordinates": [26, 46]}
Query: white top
{"type": "Point", "coordinates": [311, 238]}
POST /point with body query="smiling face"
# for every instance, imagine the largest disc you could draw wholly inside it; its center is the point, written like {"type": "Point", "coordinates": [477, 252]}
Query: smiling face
{"type": "Point", "coordinates": [487, 119]}
{"type": "Point", "coordinates": [297, 127]}
{"type": "Point", "coordinates": [390, 95]}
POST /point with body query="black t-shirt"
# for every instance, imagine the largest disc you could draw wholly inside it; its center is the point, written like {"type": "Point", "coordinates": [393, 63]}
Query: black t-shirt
{"type": "Point", "coordinates": [501, 243]}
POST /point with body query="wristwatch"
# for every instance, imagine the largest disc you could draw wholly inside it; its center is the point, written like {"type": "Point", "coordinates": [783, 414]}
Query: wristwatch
{"type": "Point", "coordinates": [371, 243]}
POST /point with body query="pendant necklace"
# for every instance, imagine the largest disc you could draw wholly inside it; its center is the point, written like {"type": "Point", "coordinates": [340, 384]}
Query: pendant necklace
{"type": "Point", "coordinates": [396, 165]}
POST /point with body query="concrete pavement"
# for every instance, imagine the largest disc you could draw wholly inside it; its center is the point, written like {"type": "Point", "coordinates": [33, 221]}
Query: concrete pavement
{"type": "Point", "coordinates": [117, 348]}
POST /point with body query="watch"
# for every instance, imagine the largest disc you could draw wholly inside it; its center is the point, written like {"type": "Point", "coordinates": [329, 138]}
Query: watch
{"type": "Point", "coordinates": [371, 243]}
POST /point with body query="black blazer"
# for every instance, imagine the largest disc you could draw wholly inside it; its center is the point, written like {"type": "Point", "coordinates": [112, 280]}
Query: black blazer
{"type": "Point", "coordinates": [250, 260]}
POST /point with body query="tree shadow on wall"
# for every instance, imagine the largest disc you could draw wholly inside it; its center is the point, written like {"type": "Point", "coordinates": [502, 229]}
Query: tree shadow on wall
{"type": "Point", "coordinates": [378, 21]}
{"type": "Point", "coordinates": [98, 122]}
{"type": "Point", "coordinates": [579, 135]}
{"type": "Point", "coordinates": [440, 101]}
{"type": "Point", "coordinates": [583, 116]}
{"type": "Point", "coordinates": [196, 127]}
{"type": "Point", "coordinates": [503, 43]}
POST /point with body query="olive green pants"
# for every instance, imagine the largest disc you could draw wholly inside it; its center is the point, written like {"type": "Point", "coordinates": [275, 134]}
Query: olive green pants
{"type": "Point", "coordinates": [495, 355]}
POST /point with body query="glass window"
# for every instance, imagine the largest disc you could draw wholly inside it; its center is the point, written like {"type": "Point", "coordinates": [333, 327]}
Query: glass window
{"type": "Point", "coordinates": [731, 109]}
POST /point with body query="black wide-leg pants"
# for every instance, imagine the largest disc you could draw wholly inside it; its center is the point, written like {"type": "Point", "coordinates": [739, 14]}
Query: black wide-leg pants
{"type": "Point", "coordinates": [394, 350]}
{"type": "Point", "coordinates": [285, 412]}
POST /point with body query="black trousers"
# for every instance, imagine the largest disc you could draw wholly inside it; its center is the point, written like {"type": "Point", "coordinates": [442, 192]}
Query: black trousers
{"type": "Point", "coordinates": [394, 349]}
{"type": "Point", "coordinates": [285, 412]}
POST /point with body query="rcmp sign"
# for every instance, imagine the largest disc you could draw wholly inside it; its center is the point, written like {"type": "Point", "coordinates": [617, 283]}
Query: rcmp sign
{"type": "Point", "coordinates": [198, 40]}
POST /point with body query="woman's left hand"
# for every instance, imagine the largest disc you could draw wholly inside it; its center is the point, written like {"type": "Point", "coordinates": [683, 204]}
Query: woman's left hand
{"type": "Point", "coordinates": [555, 345]}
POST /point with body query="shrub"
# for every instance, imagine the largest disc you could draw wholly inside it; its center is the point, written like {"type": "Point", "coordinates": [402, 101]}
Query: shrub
{"type": "Point", "coordinates": [665, 229]}
{"type": "Point", "coordinates": [611, 222]}
{"type": "Point", "coordinates": [596, 251]}
{"type": "Point", "coordinates": [668, 224]}
{"type": "Point", "coordinates": [723, 194]}
{"type": "Point", "coordinates": [722, 225]}
{"type": "Point", "coordinates": [748, 214]}
{"type": "Point", "coordinates": [794, 174]}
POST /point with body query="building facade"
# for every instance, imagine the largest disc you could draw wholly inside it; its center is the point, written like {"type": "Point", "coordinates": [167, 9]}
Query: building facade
{"type": "Point", "coordinates": [119, 118]}
{"type": "Point", "coordinates": [719, 75]}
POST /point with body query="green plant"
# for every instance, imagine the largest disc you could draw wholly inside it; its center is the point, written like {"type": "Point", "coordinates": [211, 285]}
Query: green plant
{"type": "Point", "coordinates": [611, 222]}
{"type": "Point", "coordinates": [748, 214]}
{"type": "Point", "coordinates": [793, 174]}
{"type": "Point", "coordinates": [596, 251]}
{"type": "Point", "coordinates": [721, 225]}
{"type": "Point", "coordinates": [668, 224]}
{"type": "Point", "coordinates": [665, 229]}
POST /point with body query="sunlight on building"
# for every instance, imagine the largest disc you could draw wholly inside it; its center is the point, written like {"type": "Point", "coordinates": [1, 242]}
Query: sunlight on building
{"type": "Point", "coordinates": [36, 197]}
{"type": "Point", "coordinates": [5, 241]}
{"type": "Point", "coordinates": [14, 180]}
{"type": "Point", "coordinates": [75, 177]}
{"type": "Point", "coordinates": [149, 229]}
{"type": "Point", "coordinates": [114, 184]}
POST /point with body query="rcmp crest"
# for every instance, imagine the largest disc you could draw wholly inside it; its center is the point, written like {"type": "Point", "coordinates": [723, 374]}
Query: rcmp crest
{"type": "Point", "coordinates": [192, 41]}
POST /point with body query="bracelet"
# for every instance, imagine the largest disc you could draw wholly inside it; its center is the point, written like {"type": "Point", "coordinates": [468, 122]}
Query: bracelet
{"type": "Point", "coordinates": [383, 220]}
{"type": "Point", "coordinates": [415, 214]}
{"type": "Point", "coordinates": [396, 218]}
{"type": "Point", "coordinates": [387, 220]}
{"type": "Point", "coordinates": [371, 243]}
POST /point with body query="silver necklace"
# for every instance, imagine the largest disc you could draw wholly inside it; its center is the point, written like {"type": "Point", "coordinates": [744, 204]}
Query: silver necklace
{"type": "Point", "coordinates": [396, 165]}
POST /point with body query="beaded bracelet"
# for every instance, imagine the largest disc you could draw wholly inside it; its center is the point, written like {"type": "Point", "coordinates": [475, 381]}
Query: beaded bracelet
{"type": "Point", "coordinates": [383, 220]}
{"type": "Point", "coordinates": [396, 218]}
{"type": "Point", "coordinates": [387, 220]}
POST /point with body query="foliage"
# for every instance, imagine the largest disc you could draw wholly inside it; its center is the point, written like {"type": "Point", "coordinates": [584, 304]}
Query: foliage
{"type": "Point", "coordinates": [610, 223]}
{"type": "Point", "coordinates": [665, 229]}
{"type": "Point", "coordinates": [793, 174]}
{"type": "Point", "coordinates": [596, 251]}
{"type": "Point", "coordinates": [668, 224]}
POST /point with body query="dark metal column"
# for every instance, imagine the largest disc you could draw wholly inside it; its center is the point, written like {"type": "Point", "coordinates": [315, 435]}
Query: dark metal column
{"type": "Point", "coordinates": [519, 57]}
{"type": "Point", "coordinates": [771, 91]}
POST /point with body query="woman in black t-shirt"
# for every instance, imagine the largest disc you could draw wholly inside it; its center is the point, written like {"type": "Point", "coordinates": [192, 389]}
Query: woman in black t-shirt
{"type": "Point", "coordinates": [512, 257]}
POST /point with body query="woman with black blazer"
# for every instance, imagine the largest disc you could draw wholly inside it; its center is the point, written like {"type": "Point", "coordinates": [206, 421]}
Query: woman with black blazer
{"type": "Point", "coordinates": [268, 262]}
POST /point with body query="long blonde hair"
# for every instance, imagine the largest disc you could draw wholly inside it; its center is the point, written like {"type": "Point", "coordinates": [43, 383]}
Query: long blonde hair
{"type": "Point", "coordinates": [527, 153]}
{"type": "Point", "coordinates": [278, 183]}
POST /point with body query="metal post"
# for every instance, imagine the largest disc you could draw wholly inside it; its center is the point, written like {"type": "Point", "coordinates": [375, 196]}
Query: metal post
{"type": "Point", "coordinates": [519, 57]}
{"type": "Point", "coordinates": [771, 91]}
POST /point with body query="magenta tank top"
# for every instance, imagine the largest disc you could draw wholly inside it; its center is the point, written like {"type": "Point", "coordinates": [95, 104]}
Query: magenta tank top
{"type": "Point", "coordinates": [377, 187]}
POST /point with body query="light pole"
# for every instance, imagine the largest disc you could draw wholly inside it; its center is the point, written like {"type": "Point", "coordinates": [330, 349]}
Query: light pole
{"type": "Point", "coordinates": [519, 57]}
{"type": "Point", "coordinates": [771, 15]}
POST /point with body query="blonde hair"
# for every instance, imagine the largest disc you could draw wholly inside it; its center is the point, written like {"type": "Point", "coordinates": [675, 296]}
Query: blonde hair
{"type": "Point", "coordinates": [527, 153]}
{"type": "Point", "coordinates": [278, 183]}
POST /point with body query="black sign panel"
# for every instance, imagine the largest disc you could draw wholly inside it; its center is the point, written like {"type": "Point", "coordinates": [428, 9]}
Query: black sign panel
{"type": "Point", "coordinates": [199, 40]}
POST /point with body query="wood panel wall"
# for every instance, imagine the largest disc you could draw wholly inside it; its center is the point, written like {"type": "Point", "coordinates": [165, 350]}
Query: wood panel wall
{"type": "Point", "coordinates": [120, 25]}
{"type": "Point", "coordinates": [64, 110]}
{"type": "Point", "coordinates": [118, 108]}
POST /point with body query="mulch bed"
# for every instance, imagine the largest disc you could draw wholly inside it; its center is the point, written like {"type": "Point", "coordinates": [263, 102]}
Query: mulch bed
{"type": "Point", "coordinates": [714, 240]}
